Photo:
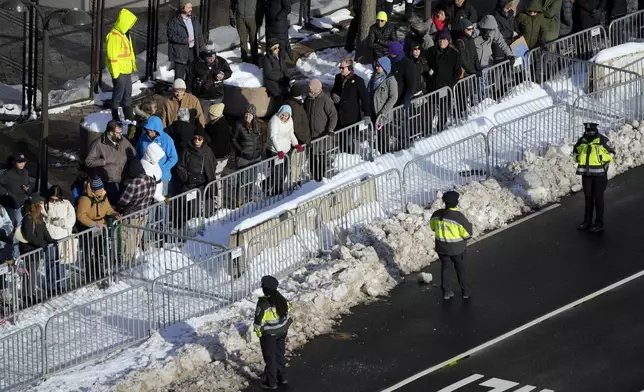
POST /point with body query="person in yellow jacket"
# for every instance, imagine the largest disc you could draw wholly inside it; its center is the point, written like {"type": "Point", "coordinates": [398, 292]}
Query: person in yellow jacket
{"type": "Point", "coordinates": [271, 325]}
{"type": "Point", "coordinates": [121, 63]}
{"type": "Point", "coordinates": [452, 230]}
{"type": "Point", "coordinates": [593, 152]}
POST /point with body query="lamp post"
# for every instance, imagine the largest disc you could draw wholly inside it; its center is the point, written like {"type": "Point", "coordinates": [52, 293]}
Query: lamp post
{"type": "Point", "coordinates": [73, 17]}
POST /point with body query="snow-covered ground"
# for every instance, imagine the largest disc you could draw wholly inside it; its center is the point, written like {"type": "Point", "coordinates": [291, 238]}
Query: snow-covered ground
{"type": "Point", "coordinates": [218, 351]}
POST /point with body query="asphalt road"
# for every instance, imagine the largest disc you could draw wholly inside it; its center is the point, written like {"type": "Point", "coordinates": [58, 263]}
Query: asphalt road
{"type": "Point", "coordinates": [517, 276]}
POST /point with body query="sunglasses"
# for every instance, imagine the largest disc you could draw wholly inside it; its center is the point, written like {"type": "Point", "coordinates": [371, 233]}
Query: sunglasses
{"type": "Point", "coordinates": [469, 28]}
{"type": "Point", "coordinates": [198, 138]}
{"type": "Point", "coordinates": [380, 20]}
{"type": "Point", "coordinates": [343, 67]}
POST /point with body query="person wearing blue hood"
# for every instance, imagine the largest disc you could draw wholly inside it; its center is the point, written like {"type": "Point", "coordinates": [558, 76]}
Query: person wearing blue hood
{"type": "Point", "coordinates": [383, 90]}
{"type": "Point", "coordinates": [154, 133]}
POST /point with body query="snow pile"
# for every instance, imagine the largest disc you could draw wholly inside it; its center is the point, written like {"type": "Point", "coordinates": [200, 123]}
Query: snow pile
{"type": "Point", "coordinates": [323, 65]}
{"type": "Point", "coordinates": [245, 75]}
{"type": "Point", "coordinates": [328, 22]}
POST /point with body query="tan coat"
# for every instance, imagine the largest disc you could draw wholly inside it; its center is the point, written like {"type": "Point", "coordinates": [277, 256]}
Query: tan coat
{"type": "Point", "coordinates": [171, 109]}
{"type": "Point", "coordinates": [91, 209]}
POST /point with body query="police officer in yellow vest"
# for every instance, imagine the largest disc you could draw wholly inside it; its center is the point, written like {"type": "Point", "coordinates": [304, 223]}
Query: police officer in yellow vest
{"type": "Point", "coordinates": [593, 152]}
{"type": "Point", "coordinates": [271, 325]}
{"type": "Point", "coordinates": [121, 62]}
{"type": "Point", "coordinates": [452, 230]}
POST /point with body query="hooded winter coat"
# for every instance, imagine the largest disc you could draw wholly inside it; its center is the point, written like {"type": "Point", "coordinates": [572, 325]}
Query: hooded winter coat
{"type": "Point", "coordinates": [206, 84]}
{"type": "Point", "coordinates": [219, 133]}
{"type": "Point", "coordinates": [197, 167]}
{"type": "Point", "coordinates": [172, 105]}
{"type": "Point", "coordinates": [277, 18]}
{"type": "Point", "coordinates": [11, 182]}
{"type": "Point", "coordinates": [276, 78]}
{"type": "Point", "coordinates": [488, 39]}
{"type": "Point", "coordinates": [421, 33]}
{"type": "Point", "coordinates": [467, 48]}
{"type": "Point", "coordinates": [150, 162]}
{"type": "Point", "coordinates": [354, 100]}
{"type": "Point", "coordinates": [584, 14]}
{"type": "Point", "coordinates": [379, 38]}
{"type": "Point", "coordinates": [383, 90]}
{"type": "Point", "coordinates": [248, 141]}
{"type": "Point", "coordinates": [532, 27]}
{"type": "Point", "coordinates": [281, 135]}
{"type": "Point", "coordinates": [92, 209]}
{"type": "Point", "coordinates": [506, 21]}
{"type": "Point", "coordinates": [300, 120]}
{"type": "Point", "coordinates": [108, 159]}
{"type": "Point", "coordinates": [566, 18]}
{"type": "Point", "coordinates": [444, 67]}
{"type": "Point", "coordinates": [456, 14]}
{"type": "Point", "coordinates": [177, 33]}
{"type": "Point", "coordinates": [60, 218]}
{"type": "Point", "coordinates": [404, 72]}
{"type": "Point", "coordinates": [552, 19]}
{"type": "Point", "coordinates": [166, 143]}
{"type": "Point", "coordinates": [119, 52]}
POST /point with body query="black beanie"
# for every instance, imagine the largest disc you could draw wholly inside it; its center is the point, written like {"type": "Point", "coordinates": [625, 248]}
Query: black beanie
{"type": "Point", "coordinates": [450, 198]}
{"type": "Point", "coordinates": [269, 283]}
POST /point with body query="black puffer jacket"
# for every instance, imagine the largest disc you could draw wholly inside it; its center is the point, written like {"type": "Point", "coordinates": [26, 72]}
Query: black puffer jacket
{"type": "Point", "coordinates": [444, 67]}
{"type": "Point", "coordinates": [177, 32]}
{"type": "Point", "coordinates": [379, 39]}
{"type": "Point", "coordinates": [219, 133]}
{"type": "Point", "coordinates": [206, 85]}
{"type": "Point", "coordinates": [277, 18]}
{"type": "Point", "coordinates": [248, 142]}
{"type": "Point", "coordinates": [456, 14]}
{"type": "Point", "coordinates": [506, 21]}
{"type": "Point", "coordinates": [405, 73]}
{"type": "Point", "coordinates": [197, 167]}
{"type": "Point", "coordinates": [420, 66]}
{"type": "Point", "coordinates": [276, 79]}
{"type": "Point", "coordinates": [354, 100]}
{"type": "Point", "coordinates": [11, 193]}
{"type": "Point", "coordinates": [300, 120]}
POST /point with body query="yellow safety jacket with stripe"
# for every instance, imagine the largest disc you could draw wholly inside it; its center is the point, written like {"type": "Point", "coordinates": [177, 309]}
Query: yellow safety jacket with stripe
{"type": "Point", "coordinates": [119, 52]}
{"type": "Point", "coordinates": [452, 230]}
{"type": "Point", "coordinates": [267, 321]}
{"type": "Point", "coordinates": [593, 155]}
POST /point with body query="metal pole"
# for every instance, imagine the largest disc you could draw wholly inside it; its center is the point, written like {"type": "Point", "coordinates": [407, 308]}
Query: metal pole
{"type": "Point", "coordinates": [45, 112]}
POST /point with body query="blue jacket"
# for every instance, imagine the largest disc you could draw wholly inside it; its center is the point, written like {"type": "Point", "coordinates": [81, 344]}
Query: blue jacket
{"type": "Point", "coordinates": [171, 158]}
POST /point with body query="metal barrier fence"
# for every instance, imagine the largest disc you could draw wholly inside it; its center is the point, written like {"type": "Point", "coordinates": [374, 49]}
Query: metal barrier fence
{"type": "Point", "coordinates": [470, 97]}
{"type": "Point", "coordinates": [609, 107]}
{"type": "Point", "coordinates": [455, 164]}
{"type": "Point", "coordinates": [509, 141]}
{"type": "Point", "coordinates": [197, 289]}
{"type": "Point", "coordinates": [629, 28]}
{"type": "Point", "coordinates": [343, 211]}
{"type": "Point", "coordinates": [567, 78]}
{"type": "Point", "coordinates": [501, 81]}
{"type": "Point", "coordinates": [22, 357]}
{"type": "Point", "coordinates": [97, 328]}
{"type": "Point", "coordinates": [427, 115]}
{"type": "Point", "coordinates": [248, 189]}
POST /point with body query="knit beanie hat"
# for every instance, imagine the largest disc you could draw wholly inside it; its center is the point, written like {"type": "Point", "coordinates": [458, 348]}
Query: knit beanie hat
{"type": "Point", "coordinates": [382, 15]}
{"type": "Point", "coordinates": [444, 34]}
{"type": "Point", "coordinates": [96, 184]}
{"type": "Point", "coordinates": [450, 198]}
{"type": "Point", "coordinates": [179, 84]}
{"type": "Point", "coordinates": [396, 49]}
{"type": "Point", "coordinates": [464, 24]}
{"type": "Point", "coordinates": [217, 110]}
{"type": "Point", "coordinates": [251, 109]}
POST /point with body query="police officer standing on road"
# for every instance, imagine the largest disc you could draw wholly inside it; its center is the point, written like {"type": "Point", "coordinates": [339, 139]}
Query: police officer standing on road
{"type": "Point", "coordinates": [271, 325]}
{"type": "Point", "coordinates": [592, 153]}
{"type": "Point", "coordinates": [452, 231]}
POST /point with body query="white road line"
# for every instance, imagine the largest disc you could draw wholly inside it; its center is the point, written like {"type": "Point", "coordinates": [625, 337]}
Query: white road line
{"type": "Point", "coordinates": [518, 329]}
{"type": "Point", "coordinates": [462, 383]}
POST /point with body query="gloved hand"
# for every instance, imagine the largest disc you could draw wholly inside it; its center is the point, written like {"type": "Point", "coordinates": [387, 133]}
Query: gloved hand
{"type": "Point", "coordinates": [299, 148]}
{"type": "Point", "coordinates": [378, 126]}
{"type": "Point", "coordinates": [280, 154]}
{"type": "Point", "coordinates": [336, 98]}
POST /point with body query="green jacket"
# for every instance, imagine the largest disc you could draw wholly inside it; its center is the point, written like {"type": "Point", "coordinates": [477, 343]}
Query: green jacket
{"type": "Point", "coordinates": [532, 27]}
{"type": "Point", "coordinates": [552, 15]}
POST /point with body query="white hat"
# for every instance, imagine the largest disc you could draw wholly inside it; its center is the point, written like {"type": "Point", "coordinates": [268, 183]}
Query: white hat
{"type": "Point", "coordinates": [179, 84]}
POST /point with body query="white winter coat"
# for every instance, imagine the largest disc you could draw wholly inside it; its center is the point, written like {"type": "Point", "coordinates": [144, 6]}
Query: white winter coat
{"type": "Point", "coordinates": [150, 163]}
{"type": "Point", "coordinates": [60, 219]}
{"type": "Point", "coordinates": [281, 134]}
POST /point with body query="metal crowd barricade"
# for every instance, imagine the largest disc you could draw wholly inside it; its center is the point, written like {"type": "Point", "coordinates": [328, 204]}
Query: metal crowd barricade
{"type": "Point", "coordinates": [248, 189]}
{"type": "Point", "coordinates": [281, 249]}
{"type": "Point", "coordinates": [469, 93]}
{"type": "Point", "coordinates": [500, 81]}
{"type": "Point", "coordinates": [610, 107]}
{"type": "Point", "coordinates": [97, 328]}
{"type": "Point", "coordinates": [197, 289]}
{"type": "Point", "coordinates": [146, 253]}
{"type": "Point", "coordinates": [22, 357]}
{"type": "Point", "coordinates": [427, 115]}
{"type": "Point", "coordinates": [568, 78]}
{"type": "Point", "coordinates": [629, 28]}
{"type": "Point", "coordinates": [536, 131]}
{"type": "Point", "coordinates": [456, 164]}
{"type": "Point", "coordinates": [341, 212]}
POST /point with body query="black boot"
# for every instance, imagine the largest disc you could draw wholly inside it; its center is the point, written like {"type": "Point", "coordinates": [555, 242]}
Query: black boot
{"type": "Point", "coordinates": [597, 228]}
{"type": "Point", "coordinates": [128, 113]}
{"type": "Point", "coordinates": [583, 226]}
{"type": "Point", "coordinates": [115, 115]}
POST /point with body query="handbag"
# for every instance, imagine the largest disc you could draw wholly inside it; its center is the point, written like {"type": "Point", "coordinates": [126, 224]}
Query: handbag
{"type": "Point", "coordinates": [19, 236]}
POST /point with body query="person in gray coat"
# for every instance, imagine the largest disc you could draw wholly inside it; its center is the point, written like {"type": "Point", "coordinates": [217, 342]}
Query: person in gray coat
{"type": "Point", "coordinates": [185, 42]}
{"type": "Point", "coordinates": [383, 90]}
{"type": "Point", "coordinates": [566, 18]}
{"type": "Point", "coordinates": [323, 119]}
{"type": "Point", "coordinates": [489, 41]}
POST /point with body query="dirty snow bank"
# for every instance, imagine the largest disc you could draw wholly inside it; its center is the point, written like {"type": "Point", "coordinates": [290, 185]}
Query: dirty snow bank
{"type": "Point", "coordinates": [221, 353]}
